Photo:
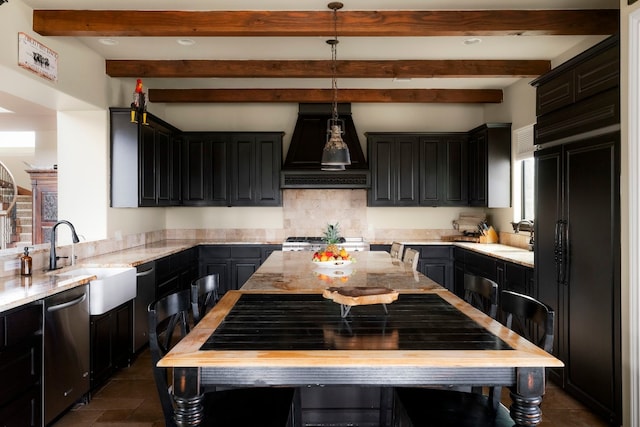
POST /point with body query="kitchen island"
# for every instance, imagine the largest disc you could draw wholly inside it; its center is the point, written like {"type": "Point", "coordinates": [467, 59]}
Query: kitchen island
{"type": "Point", "coordinates": [295, 272]}
{"type": "Point", "coordinates": [334, 357]}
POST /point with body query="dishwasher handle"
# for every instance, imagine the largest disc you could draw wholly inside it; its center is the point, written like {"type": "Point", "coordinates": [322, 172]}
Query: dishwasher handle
{"type": "Point", "coordinates": [64, 305]}
{"type": "Point", "coordinates": [145, 273]}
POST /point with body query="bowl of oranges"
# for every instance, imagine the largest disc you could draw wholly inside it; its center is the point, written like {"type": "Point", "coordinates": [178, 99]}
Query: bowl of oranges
{"type": "Point", "coordinates": [330, 259]}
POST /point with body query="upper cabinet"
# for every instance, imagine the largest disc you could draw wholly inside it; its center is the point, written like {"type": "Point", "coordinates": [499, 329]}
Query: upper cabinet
{"type": "Point", "coordinates": [566, 101]}
{"type": "Point", "coordinates": [490, 165]}
{"type": "Point", "coordinates": [394, 161]}
{"type": "Point", "coordinates": [143, 163]}
{"type": "Point", "coordinates": [232, 169]}
{"type": "Point", "coordinates": [158, 165]}
{"type": "Point", "coordinates": [441, 169]}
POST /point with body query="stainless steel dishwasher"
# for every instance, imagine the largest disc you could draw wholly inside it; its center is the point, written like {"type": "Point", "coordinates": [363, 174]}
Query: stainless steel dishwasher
{"type": "Point", "coordinates": [66, 350]}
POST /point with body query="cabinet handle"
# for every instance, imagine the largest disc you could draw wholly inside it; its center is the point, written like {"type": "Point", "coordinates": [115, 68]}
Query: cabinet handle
{"type": "Point", "coordinates": [565, 253]}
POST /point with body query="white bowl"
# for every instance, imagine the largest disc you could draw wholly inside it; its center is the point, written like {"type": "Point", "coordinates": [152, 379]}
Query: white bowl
{"type": "Point", "coordinates": [332, 264]}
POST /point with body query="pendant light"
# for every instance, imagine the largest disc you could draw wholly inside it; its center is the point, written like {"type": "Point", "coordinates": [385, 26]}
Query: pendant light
{"type": "Point", "coordinates": [335, 155]}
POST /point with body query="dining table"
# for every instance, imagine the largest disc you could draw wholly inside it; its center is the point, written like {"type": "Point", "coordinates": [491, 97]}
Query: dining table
{"type": "Point", "coordinates": [280, 329]}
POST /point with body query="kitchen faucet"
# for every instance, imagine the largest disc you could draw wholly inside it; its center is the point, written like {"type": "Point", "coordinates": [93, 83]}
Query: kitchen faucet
{"type": "Point", "coordinates": [53, 259]}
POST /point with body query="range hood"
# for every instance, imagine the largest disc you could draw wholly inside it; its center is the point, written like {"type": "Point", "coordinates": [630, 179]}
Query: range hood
{"type": "Point", "coordinates": [302, 167]}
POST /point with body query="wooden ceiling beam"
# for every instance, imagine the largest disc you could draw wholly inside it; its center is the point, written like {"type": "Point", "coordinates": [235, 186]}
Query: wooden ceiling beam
{"type": "Point", "coordinates": [465, 96]}
{"type": "Point", "coordinates": [385, 23]}
{"type": "Point", "coordinates": [322, 69]}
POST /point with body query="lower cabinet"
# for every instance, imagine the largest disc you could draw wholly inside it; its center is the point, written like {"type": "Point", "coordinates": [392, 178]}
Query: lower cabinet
{"type": "Point", "coordinates": [111, 342]}
{"type": "Point", "coordinates": [176, 271]}
{"type": "Point", "coordinates": [436, 262]}
{"type": "Point", "coordinates": [233, 263]}
{"type": "Point", "coordinates": [508, 275]}
{"type": "Point", "coordinates": [21, 366]}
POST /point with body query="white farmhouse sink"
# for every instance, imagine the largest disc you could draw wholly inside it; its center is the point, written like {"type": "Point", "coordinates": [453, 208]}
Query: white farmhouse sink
{"type": "Point", "coordinates": [112, 286]}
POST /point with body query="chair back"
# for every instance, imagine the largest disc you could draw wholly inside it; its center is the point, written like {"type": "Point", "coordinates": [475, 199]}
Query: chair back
{"type": "Point", "coordinates": [410, 258]}
{"type": "Point", "coordinates": [529, 317]}
{"type": "Point", "coordinates": [164, 315]}
{"type": "Point", "coordinates": [396, 250]}
{"type": "Point", "coordinates": [482, 293]}
{"type": "Point", "coordinates": [204, 295]}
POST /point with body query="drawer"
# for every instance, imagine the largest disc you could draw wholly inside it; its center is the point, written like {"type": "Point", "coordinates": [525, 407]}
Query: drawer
{"type": "Point", "coordinates": [436, 252]}
{"type": "Point", "coordinates": [218, 251]}
{"type": "Point", "coordinates": [246, 252]}
{"type": "Point", "coordinates": [20, 369]}
{"type": "Point", "coordinates": [23, 324]}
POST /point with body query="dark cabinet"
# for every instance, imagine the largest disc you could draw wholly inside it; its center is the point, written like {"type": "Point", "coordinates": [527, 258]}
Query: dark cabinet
{"type": "Point", "coordinates": [175, 272]}
{"type": "Point", "coordinates": [578, 265]}
{"type": "Point", "coordinates": [594, 72]}
{"type": "Point", "coordinates": [490, 165]}
{"type": "Point", "coordinates": [234, 263]}
{"type": "Point", "coordinates": [508, 275]}
{"type": "Point", "coordinates": [394, 161]}
{"type": "Point", "coordinates": [436, 262]}
{"type": "Point", "coordinates": [21, 366]}
{"type": "Point", "coordinates": [577, 227]}
{"type": "Point", "coordinates": [443, 169]}
{"type": "Point", "coordinates": [111, 342]}
{"type": "Point", "coordinates": [143, 166]}
{"type": "Point", "coordinates": [232, 169]}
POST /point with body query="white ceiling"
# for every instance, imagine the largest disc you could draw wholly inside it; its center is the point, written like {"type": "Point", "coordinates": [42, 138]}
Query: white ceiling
{"type": "Point", "coordinates": [357, 48]}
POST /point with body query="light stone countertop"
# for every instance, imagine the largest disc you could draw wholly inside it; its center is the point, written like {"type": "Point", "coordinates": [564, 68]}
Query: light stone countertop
{"type": "Point", "coordinates": [295, 272]}
{"type": "Point", "coordinates": [17, 290]}
{"type": "Point", "coordinates": [512, 254]}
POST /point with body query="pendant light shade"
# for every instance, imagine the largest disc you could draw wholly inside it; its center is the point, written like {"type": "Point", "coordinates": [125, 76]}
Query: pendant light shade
{"type": "Point", "coordinates": [335, 155]}
{"type": "Point", "coordinates": [336, 152]}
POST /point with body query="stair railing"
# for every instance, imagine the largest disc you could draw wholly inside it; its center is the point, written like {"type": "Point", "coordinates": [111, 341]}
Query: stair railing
{"type": "Point", "coordinates": [8, 196]}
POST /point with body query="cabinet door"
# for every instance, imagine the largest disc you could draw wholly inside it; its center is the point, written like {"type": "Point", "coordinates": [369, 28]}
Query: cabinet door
{"type": "Point", "coordinates": [195, 178]}
{"type": "Point", "coordinates": [122, 335]}
{"type": "Point", "coordinates": [407, 171]}
{"type": "Point", "coordinates": [394, 162]}
{"type": "Point", "coordinates": [204, 181]}
{"type": "Point", "coordinates": [243, 171]}
{"type": "Point", "coordinates": [478, 169]}
{"type": "Point", "coordinates": [146, 168]}
{"type": "Point", "coordinates": [490, 165]}
{"type": "Point", "coordinates": [242, 269]}
{"type": "Point", "coordinates": [548, 196]}
{"type": "Point", "coordinates": [175, 193]}
{"type": "Point", "coordinates": [101, 348]}
{"type": "Point", "coordinates": [590, 340]}
{"type": "Point", "coordinates": [268, 164]}
{"type": "Point", "coordinates": [382, 164]}
{"type": "Point", "coordinates": [430, 176]}
{"type": "Point", "coordinates": [453, 173]}
{"type": "Point", "coordinates": [443, 170]}
{"type": "Point", "coordinates": [162, 142]}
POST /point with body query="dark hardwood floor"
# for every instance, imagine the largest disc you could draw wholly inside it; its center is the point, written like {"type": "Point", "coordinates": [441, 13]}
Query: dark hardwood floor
{"type": "Point", "coordinates": [130, 399]}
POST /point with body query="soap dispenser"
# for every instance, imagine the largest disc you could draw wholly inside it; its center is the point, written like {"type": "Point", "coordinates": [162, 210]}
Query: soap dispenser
{"type": "Point", "coordinates": [25, 263]}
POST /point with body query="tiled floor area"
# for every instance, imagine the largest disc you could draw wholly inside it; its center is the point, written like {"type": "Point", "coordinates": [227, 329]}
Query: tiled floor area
{"type": "Point", "coordinates": [130, 399]}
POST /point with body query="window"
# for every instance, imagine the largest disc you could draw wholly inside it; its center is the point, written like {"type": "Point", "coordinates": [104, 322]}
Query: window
{"type": "Point", "coordinates": [527, 184]}
{"type": "Point", "coordinates": [18, 139]}
{"type": "Point", "coordinates": [524, 175]}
